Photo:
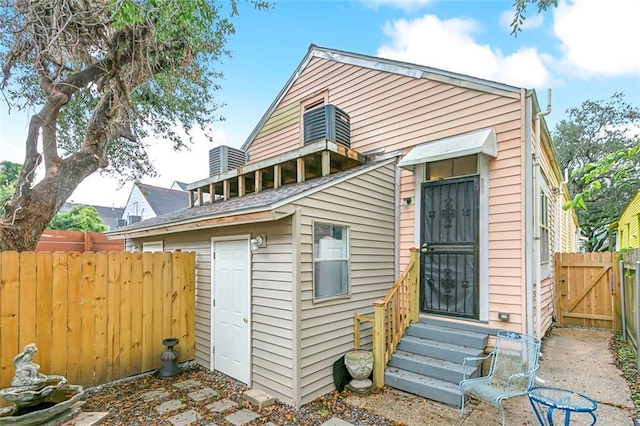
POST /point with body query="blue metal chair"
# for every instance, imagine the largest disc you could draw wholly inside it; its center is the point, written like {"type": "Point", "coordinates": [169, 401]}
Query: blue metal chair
{"type": "Point", "coordinates": [512, 371]}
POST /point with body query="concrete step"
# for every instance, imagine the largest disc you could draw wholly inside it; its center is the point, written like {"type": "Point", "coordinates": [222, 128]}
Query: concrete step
{"type": "Point", "coordinates": [435, 368]}
{"type": "Point", "coordinates": [424, 386]}
{"type": "Point", "coordinates": [464, 326]}
{"type": "Point", "coordinates": [454, 336]}
{"type": "Point", "coordinates": [438, 350]}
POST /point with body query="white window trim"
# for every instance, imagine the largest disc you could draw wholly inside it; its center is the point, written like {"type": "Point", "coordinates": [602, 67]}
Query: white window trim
{"type": "Point", "coordinates": [543, 189]}
{"type": "Point", "coordinates": [347, 294]}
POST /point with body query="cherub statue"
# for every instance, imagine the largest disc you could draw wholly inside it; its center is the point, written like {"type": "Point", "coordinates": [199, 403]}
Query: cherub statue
{"type": "Point", "coordinates": [27, 371]}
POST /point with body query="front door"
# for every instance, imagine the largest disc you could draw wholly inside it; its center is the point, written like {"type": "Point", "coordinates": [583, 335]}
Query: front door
{"type": "Point", "coordinates": [449, 247]}
{"type": "Point", "coordinates": [231, 331]}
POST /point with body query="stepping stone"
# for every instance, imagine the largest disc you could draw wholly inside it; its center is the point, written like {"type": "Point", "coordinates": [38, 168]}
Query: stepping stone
{"type": "Point", "coordinates": [185, 419]}
{"type": "Point", "coordinates": [222, 405]}
{"type": "Point", "coordinates": [154, 394]}
{"type": "Point", "coordinates": [270, 424]}
{"type": "Point", "coordinates": [85, 418]}
{"type": "Point", "coordinates": [241, 417]}
{"type": "Point", "coordinates": [259, 398]}
{"type": "Point", "coordinates": [335, 421]}
{"type": "Point", "coordinates": [202, 394]}
{"type": "Point", "coordinates": [169, 406]}
{"type": "Point", "coordinates": [186, 384]}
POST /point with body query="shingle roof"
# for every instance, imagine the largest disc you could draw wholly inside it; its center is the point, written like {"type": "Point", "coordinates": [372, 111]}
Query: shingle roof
{"type": "Point", "coordinates": [108, 215]}
{"type": "Point", "coordinates": [163, 200]}
{"type": "Point", "coordinates": [262, 200]}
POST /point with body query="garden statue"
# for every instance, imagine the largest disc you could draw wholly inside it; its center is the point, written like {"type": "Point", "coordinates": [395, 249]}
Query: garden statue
{"type": "Point", "coordinates": [28, 386]}
{"type": "Point", "coordinates": [37, 399]}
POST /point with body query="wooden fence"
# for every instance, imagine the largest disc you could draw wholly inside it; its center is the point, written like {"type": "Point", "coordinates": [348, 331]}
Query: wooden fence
{"type": "Point", "coordinates": [51, 240]}
{"type": "Point", "coordinates": [628, 274]}
{"type": "Point", "coordinates": [95, 317]}
{"type": "Point", "coordinates": [586, 291]}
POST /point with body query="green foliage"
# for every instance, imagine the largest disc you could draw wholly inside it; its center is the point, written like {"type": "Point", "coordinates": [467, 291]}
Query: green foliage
{"type": "Point", "coordinates": [627, 361]}
{"type": "Point", "coordinates": [79, 218]}
{"type": "Point", "coordinates": [520, 15]}
{"type": "Point", "coordinates": [599, 143]}
{"type": "Point", "coordinates": [9, 173]}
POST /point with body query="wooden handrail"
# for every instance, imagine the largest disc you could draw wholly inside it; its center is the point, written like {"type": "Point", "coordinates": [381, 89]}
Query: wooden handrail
{"type": "Point", "coordinates": [392, 316]}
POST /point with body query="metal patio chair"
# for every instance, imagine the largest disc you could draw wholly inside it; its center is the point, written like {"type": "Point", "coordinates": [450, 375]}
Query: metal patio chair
{"type": "Point", "coordinates": [514, 362]}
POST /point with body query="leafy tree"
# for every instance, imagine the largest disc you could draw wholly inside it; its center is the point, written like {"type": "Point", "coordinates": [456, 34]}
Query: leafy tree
{"type": "Point", "coordinates": [520, 15]}
{"type": "Point", "coordinates": [79, 218]}
{"type": "Point", "coordinates": [100, 76]}
{"type": "Point", "coordinates": [8, 177]}
{"type": "Point", "coordinates": [599, 143]}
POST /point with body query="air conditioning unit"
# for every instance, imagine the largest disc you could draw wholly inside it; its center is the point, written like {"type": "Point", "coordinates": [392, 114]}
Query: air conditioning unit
{"type": "Point", "coordinates": [224, 158]}
{"type": "Point", "coordinates": [133, 219]}
{"type": "Point", "coordinates": [121, 222]}
{"type": "Point", "coordinates": [327, 122]}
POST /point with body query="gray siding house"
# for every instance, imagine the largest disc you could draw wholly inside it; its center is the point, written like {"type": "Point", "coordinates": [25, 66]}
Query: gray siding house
{"type": "Point", "coordinates": [259, 317]}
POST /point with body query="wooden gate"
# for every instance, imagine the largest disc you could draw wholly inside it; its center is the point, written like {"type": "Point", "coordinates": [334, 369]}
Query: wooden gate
{"type": "Point", "coordinates": [587, 293]}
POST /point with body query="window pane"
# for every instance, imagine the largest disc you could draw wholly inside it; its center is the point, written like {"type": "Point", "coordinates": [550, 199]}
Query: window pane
{"type": "Point", "coordinates": [464, 166]}
{"type": "Point", "coordinates": [330, 242]}
{"type": "Point", "coordinates": [439, 169]}
{"type": "Point", "coordinates": [330, 278]}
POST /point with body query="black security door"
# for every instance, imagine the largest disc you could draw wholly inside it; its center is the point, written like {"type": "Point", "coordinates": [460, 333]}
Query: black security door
{"type": "Point", "coordinates": [449, 246]}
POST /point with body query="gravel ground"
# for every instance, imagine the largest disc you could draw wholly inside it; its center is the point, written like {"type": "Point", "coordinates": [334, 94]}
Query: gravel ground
{"type": "Point", "coordinates": [126, 407]}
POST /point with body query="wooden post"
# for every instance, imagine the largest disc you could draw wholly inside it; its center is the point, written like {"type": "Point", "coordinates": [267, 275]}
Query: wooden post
{"type": "Point", "coordinates": [277, 176]}
{"type": "Point", "coordinates": [190, 198]}
{"type": "Point", "coordinates": [241, 186]}
{"type": "Point", "coordinates": [200, 203]}
{"type": "Point", "coordinates": [415, 285]}
{"type": "Point", "coordinates": [212, 193]}
{"type": "Point", "coordinates": [258, 179]}
{"type": "Point", "coordinates": [326, 163]}
{"type": "Point", "coordinates": [379, 361]}
{"type": "Point", "coordinates": [356, 332]}
{"type": "Point", "coordinates": [226, 191]}
{"type": "Point", "coordinates": [300, 169]}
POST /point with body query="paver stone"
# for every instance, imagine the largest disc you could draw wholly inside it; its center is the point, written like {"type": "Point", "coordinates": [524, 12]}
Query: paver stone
{"type": "Point", "coordinates": [202, 394]}
{"type": "Point", "coordinates": [185, 384]}
{"type": "Point", "coordinates": [185, 418]}
{"type": "Point", "coordinates": [169, 406]}
{"type": "Point", "coordinates": [241, 417]}
{"type": "Point", "coordinates": [222, 405]}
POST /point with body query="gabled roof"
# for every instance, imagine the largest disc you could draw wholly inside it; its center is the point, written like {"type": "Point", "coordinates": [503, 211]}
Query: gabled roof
{"type": "Point", "coordinates": [381, 64]}
{"type": "Point", "coordinates": [108, 215]}
{"type": "Point", "coordinates": [163, 200]}
{"type": "Point", "coordinates": [265, 201]}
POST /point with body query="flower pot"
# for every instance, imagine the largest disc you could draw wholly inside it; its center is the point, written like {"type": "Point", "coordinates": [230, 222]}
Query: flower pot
{"type": "Point", "coordinates": [359, 363]}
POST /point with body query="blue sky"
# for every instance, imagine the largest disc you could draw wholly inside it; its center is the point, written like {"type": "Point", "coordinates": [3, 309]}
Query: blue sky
{"type": "Point", "coordinates": [584, 49]}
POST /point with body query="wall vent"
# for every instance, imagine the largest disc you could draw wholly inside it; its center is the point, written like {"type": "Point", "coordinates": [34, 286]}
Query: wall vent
{"type": "Point", "coordinates": [327, 122]}
{"type": "Point", "coordinates": [224, 158]}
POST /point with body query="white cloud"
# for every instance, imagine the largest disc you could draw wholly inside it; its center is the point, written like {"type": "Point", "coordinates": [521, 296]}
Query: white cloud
{"type": "Point", "coordinates": [599, 37]}
{"type": "Point", "coordinates": [450, 45]}
{"type": "Point", "coordinates": [406, 5]}
{"type": "Point", "coordinates": [533, 20]}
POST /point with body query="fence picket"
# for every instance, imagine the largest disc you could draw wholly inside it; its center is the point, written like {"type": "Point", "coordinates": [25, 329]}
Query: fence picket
{"type": "Point", "coordinates": [94, 316]}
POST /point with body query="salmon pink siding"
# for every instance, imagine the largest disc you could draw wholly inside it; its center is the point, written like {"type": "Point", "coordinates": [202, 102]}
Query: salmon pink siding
{"type": "Point", "coordinates": [398, 112]}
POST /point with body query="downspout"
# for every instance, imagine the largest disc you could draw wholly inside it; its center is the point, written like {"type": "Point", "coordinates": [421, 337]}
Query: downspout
{"type": "Point", "coordinates": [536, 214]}
{"type": "Point", "coordinates": [528, 226]}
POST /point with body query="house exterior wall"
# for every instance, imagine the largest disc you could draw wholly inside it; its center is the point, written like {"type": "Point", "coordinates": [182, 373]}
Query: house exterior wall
{"type": "Point", "coordinates": [295, 340]}
{"type": "Point", "coordinates": [398, 112]}
{"type": "Point", "coordinates": [271, 300]}
{"type": "Point", "coordinates": [629, 225]}
{"type": "Point", "coordinates": [366, 204]}
{"type": "Point", "coordinates": [137, 205]}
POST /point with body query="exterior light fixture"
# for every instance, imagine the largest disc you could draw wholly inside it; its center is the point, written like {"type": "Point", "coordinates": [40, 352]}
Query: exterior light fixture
{"type": "Point", "coordinates": [258, 242]}
{"type": "Point", "coordinates": [503, 316]}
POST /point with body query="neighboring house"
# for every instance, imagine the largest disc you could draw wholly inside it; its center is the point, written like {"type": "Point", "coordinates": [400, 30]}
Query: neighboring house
{"type": "Point", "coordinates": [356, 161]}
{"type": "Point", "coordinates": [629, 225]}
{"type": "Point", "coordinates": [108, 215]}
{"type": "Point", "coordinates": [147, 201]}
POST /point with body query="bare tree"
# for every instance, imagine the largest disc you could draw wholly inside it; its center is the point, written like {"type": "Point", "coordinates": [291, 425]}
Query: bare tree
{"type": "Point", "coordinates": [100, 75]}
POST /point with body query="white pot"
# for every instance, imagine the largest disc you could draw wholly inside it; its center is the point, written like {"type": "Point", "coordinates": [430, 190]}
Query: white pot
{"type": "Point", "coordinates": [359, 363]}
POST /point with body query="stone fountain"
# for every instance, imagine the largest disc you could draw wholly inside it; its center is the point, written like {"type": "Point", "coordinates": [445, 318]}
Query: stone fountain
{"type": "Point", "coordinates": [36, 398]}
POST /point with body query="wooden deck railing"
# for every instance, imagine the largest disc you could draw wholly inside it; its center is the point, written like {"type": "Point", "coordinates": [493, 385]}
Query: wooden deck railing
{"type": "Point", "coordinates": [392, 316]}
